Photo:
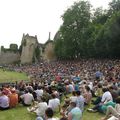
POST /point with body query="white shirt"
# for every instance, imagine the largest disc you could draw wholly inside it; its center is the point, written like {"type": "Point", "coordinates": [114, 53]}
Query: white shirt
{"type": "Point", "coordinates": [28, 98]}
{"type": "Point", "coordinates": [73, 98]}
{"type": "Point", "coordinates": [52, 119]}
{"type": "Point", "coordinates": [106, 97]}
{"type": "Point", "coordinates": [4, 101]}
{"type": "Point", "coordinates": [42, 106]}
{"type": "Point", "coordinates": [39, 93]}
{"type": "Point", "coordinates": [54, 103]}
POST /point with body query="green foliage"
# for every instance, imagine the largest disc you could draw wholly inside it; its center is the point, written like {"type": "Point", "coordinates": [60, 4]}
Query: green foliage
{"type": "Point", "coordinates": [37, 52]}
{"type": "Point", "coordinates": [2, 48]}
{"type": "Point", "coordinates": [14, 47]}
{"type": "Point", "coordinates": [109, 37]}
{"type": "Point", "coordinates": [20, 49]}
{"type": "Point", "coordinates": [76, 21]}
{"type": "Point", "coordinates": [24, 42]}
{"type": "Point", "coordinates": [114, 6]}
{"type": "Point", "coordinates": [85, 33]}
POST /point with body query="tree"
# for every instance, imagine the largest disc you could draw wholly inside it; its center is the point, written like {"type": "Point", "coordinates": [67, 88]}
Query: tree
{"type": "Point", "coordinates": [75, 22]}
{"type": "Point", "coordinates": [114, 6]}
{"type": "Point", "coordinates": [85, 33]}
{"type": "Point", "coordinates": [14, 47]}
{"type": "Point", "coordinates": [108, 40]}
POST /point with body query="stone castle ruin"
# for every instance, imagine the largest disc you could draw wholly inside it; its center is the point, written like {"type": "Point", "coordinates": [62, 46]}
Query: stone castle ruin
{"type": "Point", "coordinates": [49, 53]}
{"type": "Point", "coordinates": [30, 51]}
{"type": "Point", "coordinates": [9, 55]}
{"type": "Point", "coordinates": [29, 44]}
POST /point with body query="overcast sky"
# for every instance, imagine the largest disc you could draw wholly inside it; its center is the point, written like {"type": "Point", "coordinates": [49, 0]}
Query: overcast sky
{"type": "Point", "coordinates": [35, 17]}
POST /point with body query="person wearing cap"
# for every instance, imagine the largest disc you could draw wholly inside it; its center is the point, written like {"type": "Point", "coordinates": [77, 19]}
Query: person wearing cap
{"type": "Point", "coordinates": [4, 101]}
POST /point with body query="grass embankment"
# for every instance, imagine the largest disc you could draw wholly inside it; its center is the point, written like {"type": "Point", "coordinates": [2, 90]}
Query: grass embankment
{"type": "Point", "coordinates": [10, 76]}
{"type": "Point", "coordinates": [20, 112]}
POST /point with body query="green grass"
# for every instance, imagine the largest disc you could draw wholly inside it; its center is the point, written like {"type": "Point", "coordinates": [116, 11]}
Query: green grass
{"type": "Point", "coordinates": [20, 112]}
{"type": "Point", "coordinates": [10, 76]}
{"type": "Point", "coordinates": [91, 116]}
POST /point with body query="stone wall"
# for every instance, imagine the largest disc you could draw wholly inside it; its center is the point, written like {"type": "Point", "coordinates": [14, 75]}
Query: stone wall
{"type": "Point", "coordinates": [28, 50]}
{"type": "Point", "coordinates": [49, 54]}
{"type": "Point", "coordinates": [29, 44]}
{"type": "Point", "coordinates": [9, 57]}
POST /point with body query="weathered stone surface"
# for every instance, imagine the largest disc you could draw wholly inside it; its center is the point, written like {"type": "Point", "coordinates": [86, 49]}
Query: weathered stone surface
{"type": "Point", "coordinates": [9, 57]}
{"type": "Point", "coordinates": [28, 51]}
{"type": "Point", "coordinates": [29, 43]}
{"type": "Point", "coordinates": [49, 53]}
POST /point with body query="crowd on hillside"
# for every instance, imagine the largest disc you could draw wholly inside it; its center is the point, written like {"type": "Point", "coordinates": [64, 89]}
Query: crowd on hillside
{"type": "Point", "coordinates": [75, 83]}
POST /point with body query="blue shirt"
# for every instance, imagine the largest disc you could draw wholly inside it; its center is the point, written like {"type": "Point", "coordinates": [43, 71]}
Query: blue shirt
{"type": "Point", "coordinates": [76, 113]}
{"type": "Point", "coordinates": [80, 102]}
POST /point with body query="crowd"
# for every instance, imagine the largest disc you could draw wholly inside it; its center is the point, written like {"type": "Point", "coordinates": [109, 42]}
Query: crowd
{"type": "Point", "coordinates": [77, 82]}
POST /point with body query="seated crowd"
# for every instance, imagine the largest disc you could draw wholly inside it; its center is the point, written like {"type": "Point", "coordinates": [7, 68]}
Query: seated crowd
{"type": "Point", "coordinates": [67, 88]}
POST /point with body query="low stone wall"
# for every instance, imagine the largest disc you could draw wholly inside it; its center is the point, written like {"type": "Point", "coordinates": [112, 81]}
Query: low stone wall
{"type": "Point", "coordinates": [9, 57]}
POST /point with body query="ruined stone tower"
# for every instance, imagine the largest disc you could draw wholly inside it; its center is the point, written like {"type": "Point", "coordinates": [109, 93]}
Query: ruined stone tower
{"type": "Point", "coordinates": [29, 44]}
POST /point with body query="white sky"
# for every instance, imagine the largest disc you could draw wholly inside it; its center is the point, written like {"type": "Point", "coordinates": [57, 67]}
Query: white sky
{"type": "Point", "coordinates": [35, 17]}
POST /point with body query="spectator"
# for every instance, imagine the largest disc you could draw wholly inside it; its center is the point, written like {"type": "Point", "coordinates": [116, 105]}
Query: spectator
{"type": "Point", "coordinates": [115, 112]}
{"type": "Point", "coordinates": [39, 109]}
{"type": "Point", "coordinates": [49, 114]}
{"type": "Point", "coordinates": [75, 113]}
{"type": "Point", "coordinates": [13, 97]}
{"type": "Point", "coordinates": [87, 95]}
{"type": "Point", "coordinates": [4, 101]}
{"type": "Point", "coordinates": [27, 98]}
{"type": "Point", "coordinates": [54, 103]}
{"type": "Point", "coordinates": [80, 100]}
{"type": "Point", "coordinates": [39, 92]}
{"type": "Point", "coordinates": [73, 98]}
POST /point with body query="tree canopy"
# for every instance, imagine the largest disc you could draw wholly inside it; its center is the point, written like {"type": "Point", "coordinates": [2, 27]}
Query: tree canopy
{"type": "Point", "coordinates": [88, 32]}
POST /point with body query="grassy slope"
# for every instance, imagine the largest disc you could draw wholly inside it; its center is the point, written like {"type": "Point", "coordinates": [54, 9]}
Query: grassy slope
{"type": "Point", "coordinates": [9, 76]}
{"type": "Point", "coordinates": [20, 112]}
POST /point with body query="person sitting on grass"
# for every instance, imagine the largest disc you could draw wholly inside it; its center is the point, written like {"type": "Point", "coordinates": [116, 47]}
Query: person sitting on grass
{"type": "Point", "coordinates": [80, 101]}
{"type": "Point", "coordinates": [75, 113]}
{"type": "Point", "coordinates": [87, 95]}
{"type": "Point", "coordinates": [27, 98]}
{"type": "Point", "coordinates": [4, 101]}
{"type": "Point", "coordinates": [105, 102]}
{"type": "Point", "coordinates": [98, 93]}
{"type": "Point", "coordinates": [73, 98]}
{"type": "Point", "coordinates": [63, 111]}
{"type": "Point", "coordinates": [54, 103]}
{"type": "Point", "coordinates": [39, 108]}
{"type": "Point", "coordinates": [49, 114]}
{"type": "Point", "coordinates": [115, 112]}
{"type": "Point", "coordinates": [13, 97]}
